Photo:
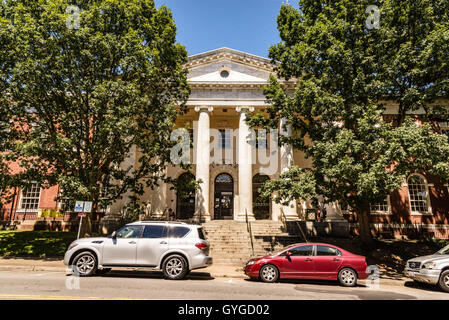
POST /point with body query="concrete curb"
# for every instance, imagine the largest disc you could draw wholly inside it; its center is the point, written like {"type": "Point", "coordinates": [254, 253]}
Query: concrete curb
{"type": "Point", "coordinates": [37, 268]}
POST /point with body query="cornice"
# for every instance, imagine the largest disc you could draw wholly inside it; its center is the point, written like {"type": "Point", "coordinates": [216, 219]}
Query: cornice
{"type": "Point", "coordinates": [246, 60]}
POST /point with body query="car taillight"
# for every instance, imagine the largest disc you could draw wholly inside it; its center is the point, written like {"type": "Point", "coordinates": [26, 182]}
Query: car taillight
{"type": "Point", "coordinates": [201, 246]}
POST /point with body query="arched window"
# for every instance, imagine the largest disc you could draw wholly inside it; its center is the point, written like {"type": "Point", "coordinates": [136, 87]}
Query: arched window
{"type": "Point", "coordinates": [418, 194]}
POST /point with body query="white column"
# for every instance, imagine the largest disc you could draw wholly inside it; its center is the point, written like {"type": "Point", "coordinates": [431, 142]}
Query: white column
{"type": "Point", "coordinates": [286, 162]}
{"type": "Point", "coordinates": [202, 150]}
{"type": "Point", "coordinates": [245, 167]}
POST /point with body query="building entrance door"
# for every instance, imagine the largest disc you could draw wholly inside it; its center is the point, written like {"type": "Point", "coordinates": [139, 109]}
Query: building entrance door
{"type": "Point", "coordinates": [224, 197]}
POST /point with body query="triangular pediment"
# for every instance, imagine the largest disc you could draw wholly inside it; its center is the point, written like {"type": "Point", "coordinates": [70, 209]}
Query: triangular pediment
{"type": "Point", "coordinates": [228, 66]}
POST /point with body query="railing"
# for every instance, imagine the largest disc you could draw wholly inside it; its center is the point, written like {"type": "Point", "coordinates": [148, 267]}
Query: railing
{"type": "Point", "coordinates": [284, 221]}
{"type": "Point", "coordinates": [248, 226]}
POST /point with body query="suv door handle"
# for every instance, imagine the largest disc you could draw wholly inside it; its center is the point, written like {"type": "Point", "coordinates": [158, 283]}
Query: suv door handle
{"type": "Point", "coordinates": [132, 242]}
{"type": "Point", "coordinates": [163, 242]}
{"type": "Point", "coordinates": [308, 259]}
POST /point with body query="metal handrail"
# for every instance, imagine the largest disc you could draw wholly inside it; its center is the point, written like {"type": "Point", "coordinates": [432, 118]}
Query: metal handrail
{"type": "Point", "coordinates": [248, 226]}
{"type": "Point", "coordinates": [284, 220]}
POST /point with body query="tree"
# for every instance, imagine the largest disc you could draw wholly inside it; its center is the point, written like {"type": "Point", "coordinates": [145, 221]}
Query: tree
{"type": "Point", "coordinates": [339, 66]}
{"type": "Point", "coordinates": [95, 88]}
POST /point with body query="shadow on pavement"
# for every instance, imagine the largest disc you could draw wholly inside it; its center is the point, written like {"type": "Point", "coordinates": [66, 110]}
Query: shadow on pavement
{"type": "Point", "coordinates": [307, 281]}
{"type": "Point", "coordinates": [423, 286]}
{"type": "Point", "coordinates": [361, 293]}
{"type": "Point", "coordinates": [153, 275]}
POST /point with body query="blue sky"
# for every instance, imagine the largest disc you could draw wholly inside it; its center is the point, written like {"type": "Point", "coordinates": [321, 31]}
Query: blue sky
{"type": "Point", "coordinates": [245, 25]}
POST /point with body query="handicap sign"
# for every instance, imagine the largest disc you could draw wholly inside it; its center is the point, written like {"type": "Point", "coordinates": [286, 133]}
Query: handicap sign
{"type": "Point", "coordinates": [79, 206]}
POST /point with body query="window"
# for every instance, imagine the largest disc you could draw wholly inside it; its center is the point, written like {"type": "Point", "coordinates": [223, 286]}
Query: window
{"type": "Point", "coordinates": [30, 197]}
{"type": "Point", "coordinates": [419, 200]}
{"type": "Point", "coordinates": [302, 251]}
{"type": "Point", "coordinates": [381, 207]}
{"type": "Point", "coordinates": [201, 234]}
{"type": "Point", "coordinates": [154, 232]}
{"type": "Point", "coordinates": [129, 232]}
{"type": "Point", "coordinates": [224, 138]}
{"type": "Point", "coordinates": [327, 251]}
{"type": "Point", "coordinates": [178, 232]}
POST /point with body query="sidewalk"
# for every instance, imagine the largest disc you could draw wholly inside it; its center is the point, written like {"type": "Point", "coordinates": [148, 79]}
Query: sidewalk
{"type": "Point", "coordinates": [56, 265]}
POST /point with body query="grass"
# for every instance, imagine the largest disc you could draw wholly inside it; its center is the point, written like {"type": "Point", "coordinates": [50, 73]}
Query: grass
{"type": "Point", "coordinates": [42, 244]}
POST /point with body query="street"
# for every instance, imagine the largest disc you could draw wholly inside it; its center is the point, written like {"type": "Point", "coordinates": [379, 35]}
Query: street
{"type": "Point", "coordinates": [130, 284]}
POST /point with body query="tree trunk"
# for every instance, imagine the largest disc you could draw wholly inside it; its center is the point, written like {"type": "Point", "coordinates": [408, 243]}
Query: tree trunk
{"type": "Point", "coordinates": [86, 227]}
{"type": "Point", "coordinates": [363, 215]}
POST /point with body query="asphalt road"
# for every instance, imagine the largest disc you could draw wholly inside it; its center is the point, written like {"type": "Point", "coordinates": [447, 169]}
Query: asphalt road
{"type": "Point", "coordinates": [123, 284]}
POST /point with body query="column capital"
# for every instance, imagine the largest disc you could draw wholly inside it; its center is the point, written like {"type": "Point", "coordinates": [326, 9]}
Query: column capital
{"type": "Point", "coordinates": [200, 108]}
{"type": "Point", "coordinates": [241, 108]}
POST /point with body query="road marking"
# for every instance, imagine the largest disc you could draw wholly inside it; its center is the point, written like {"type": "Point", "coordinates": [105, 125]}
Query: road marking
{"type": "Point", "coordinates": [45, 297]}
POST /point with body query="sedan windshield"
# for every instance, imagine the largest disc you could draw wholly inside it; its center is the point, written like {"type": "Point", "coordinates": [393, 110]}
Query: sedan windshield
{"type": "Point", "coordinates": [445, 250]}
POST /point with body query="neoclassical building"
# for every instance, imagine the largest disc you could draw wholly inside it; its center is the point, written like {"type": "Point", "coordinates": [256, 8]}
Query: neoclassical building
{"type": "Point", "coordinates": [232, 161]}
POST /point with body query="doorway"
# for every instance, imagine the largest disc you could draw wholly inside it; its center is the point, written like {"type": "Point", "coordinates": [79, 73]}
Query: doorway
{"type": "Point", "coordinates": [224, 197]}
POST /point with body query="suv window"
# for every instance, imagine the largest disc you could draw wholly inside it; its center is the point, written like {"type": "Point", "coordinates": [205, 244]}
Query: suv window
{"type": "Point", "coordinates": [129, 232]}
{"type": "Point", "coordinates": [154, 232]}
{"type": "Point", "coordinates": [302, 251]}
{"type": "Point", "coordinates": [178, 232]}
{"type": "Point", "coordinates": [327, 251]}
{"type": "Point", "coordinates": [201, 233]}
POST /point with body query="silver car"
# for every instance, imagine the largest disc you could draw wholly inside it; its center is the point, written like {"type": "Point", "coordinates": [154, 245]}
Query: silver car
{"type": "Point", "coordinates": [175, 248]}
{"type": "Point", "coordinates": [432, 269]}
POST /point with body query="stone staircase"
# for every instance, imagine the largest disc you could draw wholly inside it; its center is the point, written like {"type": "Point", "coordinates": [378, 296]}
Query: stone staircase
{"type": "Point", "coordinates": [229, 241]}
{"type": "Point", "coordinates": [231, 244]}
{"type": "Point", "coordinates": [271, 236]}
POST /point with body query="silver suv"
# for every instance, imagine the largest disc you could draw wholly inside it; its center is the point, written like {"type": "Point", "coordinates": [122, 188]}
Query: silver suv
{"type": "Point", "coordinates": [433, 269]}
{"type": "Point", "coordinates": [175, 248]}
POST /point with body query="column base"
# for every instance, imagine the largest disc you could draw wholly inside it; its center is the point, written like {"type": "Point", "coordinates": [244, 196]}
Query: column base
{"type": "Point", "coordinates": [290, 213]}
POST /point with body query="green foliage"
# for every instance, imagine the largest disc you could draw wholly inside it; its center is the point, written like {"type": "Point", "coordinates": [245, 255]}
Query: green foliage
{"type": "Point", "coordinates": [86, 96]}
{"type": "Point", "coordinates": [35, 243]}
{"type": "Point", "coordinates": [343, 72]}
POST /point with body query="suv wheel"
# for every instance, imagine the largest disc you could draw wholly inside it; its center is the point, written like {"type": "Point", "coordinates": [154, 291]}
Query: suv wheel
{"type": "Point", "coordinates": [269, 273]}
{"type": "Point", "coordinates": [347, 277]}
{"type": "Point", "coordinates": [175, 267]}
{"type": "Point", "coordinates": [85, 264]}
{"type": "Point", "coordinates": [444, 281]}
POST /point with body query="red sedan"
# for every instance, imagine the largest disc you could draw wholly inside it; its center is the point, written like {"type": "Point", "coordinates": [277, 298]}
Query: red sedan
{"type": "Point", "coordinates": [310, 261]}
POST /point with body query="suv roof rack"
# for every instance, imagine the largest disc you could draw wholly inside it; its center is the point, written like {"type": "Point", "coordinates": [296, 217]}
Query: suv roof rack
{"type": "Point", "coordinates": [166, 222]}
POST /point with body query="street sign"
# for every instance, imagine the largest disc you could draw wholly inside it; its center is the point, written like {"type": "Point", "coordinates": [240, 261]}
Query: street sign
{"type": "Point", "coordinates": [81, 214]}
{"type": "Point", "coordinates": [87, 207]}
{"type": "Point", "coordinates": [79, 206]}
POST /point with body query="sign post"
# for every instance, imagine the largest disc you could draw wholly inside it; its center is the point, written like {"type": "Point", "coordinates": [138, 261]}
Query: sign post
{"type": "Point", "coordinates": [82, 207]}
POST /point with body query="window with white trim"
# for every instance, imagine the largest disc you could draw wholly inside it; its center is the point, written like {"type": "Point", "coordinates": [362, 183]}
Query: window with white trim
{"type": "Point", "coordinates": [418, 194]}
{"type": "Point", "coordinates": [30, 197]}
{"type": "Point", "coordinates": [382, 207]}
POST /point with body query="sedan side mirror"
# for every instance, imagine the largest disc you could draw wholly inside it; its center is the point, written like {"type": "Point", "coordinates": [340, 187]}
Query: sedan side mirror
{"type": "Point", "coordinates": [114, 235]}
{"type": "Point", "coordinates": [288, 254]}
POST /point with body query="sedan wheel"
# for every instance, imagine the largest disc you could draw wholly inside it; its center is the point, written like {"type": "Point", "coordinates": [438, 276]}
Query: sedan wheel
{"type": "Point", "coordinates": [175, 267]}
{"type": "Point", "coordinates": [444, 281]}
{"type": "Point", "coordinates": [85, 264]}
{"type": "Point", "coordinates": [347, 277]}
{"type": "Point", "coordinates": [269, 273]}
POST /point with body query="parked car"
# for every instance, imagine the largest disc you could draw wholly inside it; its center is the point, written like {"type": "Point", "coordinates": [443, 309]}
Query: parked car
{"type": "Point", "coordinates": [309, 261]}
{"type": "Point", "coordinates": [175, 248]}
{"type": "Point", "coordinates": [433, 269]}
